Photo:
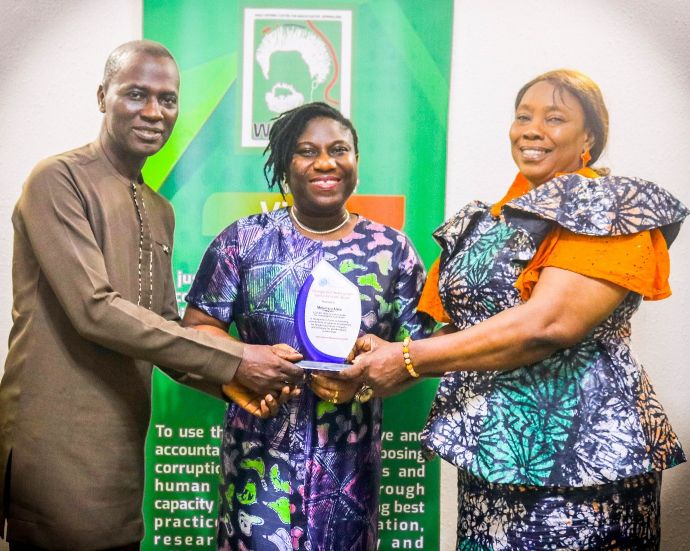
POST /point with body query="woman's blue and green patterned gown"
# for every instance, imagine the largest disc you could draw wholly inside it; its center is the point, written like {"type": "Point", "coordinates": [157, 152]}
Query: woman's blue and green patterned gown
{"type": "Point", "coordinates": [546, 450]}
{"type": "Point", "coordinates": [307, 479]}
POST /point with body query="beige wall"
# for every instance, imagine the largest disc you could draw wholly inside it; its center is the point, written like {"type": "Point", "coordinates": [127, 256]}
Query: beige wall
{"type": "Point", "coordinates": [51, 57]}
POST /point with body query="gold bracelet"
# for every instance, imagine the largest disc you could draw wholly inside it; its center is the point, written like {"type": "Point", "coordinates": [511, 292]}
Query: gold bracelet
{"type": "Point", "coordinates": [406, 358]}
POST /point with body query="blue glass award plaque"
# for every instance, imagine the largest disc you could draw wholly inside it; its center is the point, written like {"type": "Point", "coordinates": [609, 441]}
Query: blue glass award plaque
{"type": "Point", "coordinates": [327, 318]}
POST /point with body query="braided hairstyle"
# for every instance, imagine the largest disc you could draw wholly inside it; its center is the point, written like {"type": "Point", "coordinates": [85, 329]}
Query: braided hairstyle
{"type": "Point", "coordinates": [286, 130]}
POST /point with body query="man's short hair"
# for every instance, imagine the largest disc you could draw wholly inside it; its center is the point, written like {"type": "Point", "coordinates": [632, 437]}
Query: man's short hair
{"type": "Point", "coordinates": [118, 56]}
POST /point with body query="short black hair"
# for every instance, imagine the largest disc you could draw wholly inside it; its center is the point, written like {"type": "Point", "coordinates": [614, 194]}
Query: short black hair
{"type": "Point", "coordinates": [117, 57]}
{"type": "Point", "coordinates": [286, 130]}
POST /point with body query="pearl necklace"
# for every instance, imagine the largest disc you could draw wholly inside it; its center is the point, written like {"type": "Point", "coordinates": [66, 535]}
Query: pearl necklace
{"type": "Point", "coordinates": [293, 214]}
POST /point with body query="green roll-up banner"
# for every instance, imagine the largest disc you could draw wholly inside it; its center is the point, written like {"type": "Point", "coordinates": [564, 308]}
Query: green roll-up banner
{"type": "Point", "coordinates": [385, 64]}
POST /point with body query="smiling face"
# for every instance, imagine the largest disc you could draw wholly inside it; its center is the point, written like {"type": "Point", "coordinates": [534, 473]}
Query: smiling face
{"type": "Point", "coordinates": [140, 106]}
{"type": "Point", "coordinates": [323, 170]}
{"type": "Point", "coordinates": [548, 134]}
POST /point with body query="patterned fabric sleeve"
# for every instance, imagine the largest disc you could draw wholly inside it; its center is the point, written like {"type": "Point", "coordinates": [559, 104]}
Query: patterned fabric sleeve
{"type": "Point", "coordinates": [638, 262]}
{"type": "Point", "coordinates": [448, 233]}
{"type": "Point", "coordinates": [613, 228]}
{"type": "Point", "coordinates": [408, 287]}
{"type": "Point", "coordinates": [608, 206]}
{"type": "Point", "coordinates": [215, 286]}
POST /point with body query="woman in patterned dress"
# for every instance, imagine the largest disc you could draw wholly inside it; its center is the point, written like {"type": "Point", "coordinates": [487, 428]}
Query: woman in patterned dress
{"type": "Point", "coordinates": [555, 429]}
{"type": "Point", "coordinates": [307, 478]}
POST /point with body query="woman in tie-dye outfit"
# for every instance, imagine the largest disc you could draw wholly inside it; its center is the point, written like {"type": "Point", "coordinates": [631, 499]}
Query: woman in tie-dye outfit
{"type": "Point", "coordinates": [307, 478]}
{"type": "Point", "coordinates": [557, 434]}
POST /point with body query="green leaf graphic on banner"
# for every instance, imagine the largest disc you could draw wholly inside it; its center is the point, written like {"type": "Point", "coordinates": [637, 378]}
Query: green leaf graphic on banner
{"type": "Point", "coordinates": [201, 90]}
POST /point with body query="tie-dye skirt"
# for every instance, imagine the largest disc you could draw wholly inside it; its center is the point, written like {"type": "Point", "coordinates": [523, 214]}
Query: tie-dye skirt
{"type": "Point", "coordinates": [623, 515]}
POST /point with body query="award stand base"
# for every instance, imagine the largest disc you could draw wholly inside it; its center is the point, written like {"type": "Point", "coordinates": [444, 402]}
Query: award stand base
{"type": "Point", "coordinates": [321, 366]}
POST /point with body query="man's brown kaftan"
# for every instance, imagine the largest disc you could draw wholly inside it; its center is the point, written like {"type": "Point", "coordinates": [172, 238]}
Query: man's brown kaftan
{"type": "Point", "coordinates": [74, 401]}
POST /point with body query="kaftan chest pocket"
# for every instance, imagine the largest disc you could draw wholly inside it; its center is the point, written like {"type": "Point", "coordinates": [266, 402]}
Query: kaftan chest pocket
{"type": "Point", "coordinates": [162, 268]}
{"type": "Point", "coordinates": [163, 248]}
{"type": "Point", "coordinates": [162, 258]}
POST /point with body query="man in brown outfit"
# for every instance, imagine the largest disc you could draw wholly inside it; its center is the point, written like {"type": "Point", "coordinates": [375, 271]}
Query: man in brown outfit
{"type": "Point", "coordinates": [94, 307]}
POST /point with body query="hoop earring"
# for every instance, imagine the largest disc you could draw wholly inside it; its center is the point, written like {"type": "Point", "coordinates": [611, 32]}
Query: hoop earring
{"type": "Point", "coordinates": [284, 187]}
{"type": "Point", "coordinates": [586, 157]}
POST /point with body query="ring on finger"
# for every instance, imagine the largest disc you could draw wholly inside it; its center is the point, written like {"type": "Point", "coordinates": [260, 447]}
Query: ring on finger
{"type": "Point", "coordinates": [334, 399]}
{"type": "Point", "coordinates": [364, 394]}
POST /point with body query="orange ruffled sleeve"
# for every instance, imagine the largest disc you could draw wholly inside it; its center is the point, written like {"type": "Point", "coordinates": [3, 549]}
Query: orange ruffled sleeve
{"type": "Point", "coordinates": [430, 300]}
{"type": "Point", "coordinates": [638, 262]}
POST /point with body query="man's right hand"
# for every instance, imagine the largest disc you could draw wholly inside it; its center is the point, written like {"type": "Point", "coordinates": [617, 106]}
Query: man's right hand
{"type": "Point", "coordinates": [267, 369]}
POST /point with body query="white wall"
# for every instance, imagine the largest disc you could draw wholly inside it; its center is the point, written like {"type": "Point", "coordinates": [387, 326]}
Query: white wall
{"type": "Point", "coordinates": [51, 62]}
{"type": "Point", "coordinates": [638, 52]}
{"type": "Point", "coordinates": [51, 58]}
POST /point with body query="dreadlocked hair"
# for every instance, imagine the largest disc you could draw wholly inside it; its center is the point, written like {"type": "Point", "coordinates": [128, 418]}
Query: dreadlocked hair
{"type": "Point", "coordinates": [286, 130]}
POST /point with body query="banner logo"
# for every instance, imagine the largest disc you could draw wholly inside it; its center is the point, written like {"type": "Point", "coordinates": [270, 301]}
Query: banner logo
{"type": "Point", "coordinates": [292, 57]}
